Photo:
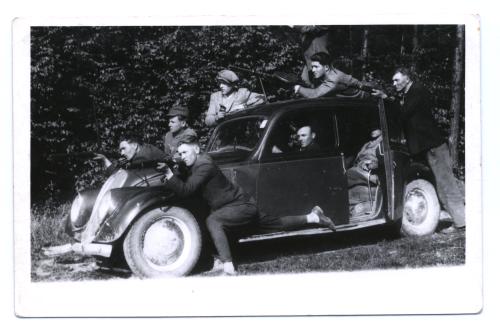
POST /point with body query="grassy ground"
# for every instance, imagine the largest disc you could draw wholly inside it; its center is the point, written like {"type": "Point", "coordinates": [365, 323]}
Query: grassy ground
{"type": "Point", "coordinates": [373, 248]}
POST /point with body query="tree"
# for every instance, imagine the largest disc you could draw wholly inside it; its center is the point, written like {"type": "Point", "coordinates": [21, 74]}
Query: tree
{"type": "Point", "coordinates": [456, 93]}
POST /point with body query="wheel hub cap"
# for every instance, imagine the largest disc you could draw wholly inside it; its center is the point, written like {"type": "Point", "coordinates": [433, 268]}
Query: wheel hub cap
{"type": "Point", "coordinates": [163, 242]}
{"type": "Point", "coordinates": [415, 207]}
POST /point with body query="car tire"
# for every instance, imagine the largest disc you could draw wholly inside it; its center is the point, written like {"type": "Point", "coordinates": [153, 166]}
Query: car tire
{"type": "Point", "coordinates": [163, 242]}
{"type": "Point", "coordinates": [420, 209]}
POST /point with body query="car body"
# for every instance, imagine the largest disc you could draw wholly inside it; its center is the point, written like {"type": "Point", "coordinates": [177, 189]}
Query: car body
{"type": "Point", "coordinates": [161, 234]}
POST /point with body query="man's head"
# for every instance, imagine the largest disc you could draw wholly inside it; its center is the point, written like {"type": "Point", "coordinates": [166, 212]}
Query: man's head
{"type": "Point", "coordinates": [306, 136]}
{"type": "Point", "coordinates": [188, 149]}
{"type": "Point", "coordinates": [375, 133]}
{"type": "Point", "coordinates": [128, 147]}
{"type": "Point", "coordinates": [320, 64]}
{"type": "Point", "coordinates": [228, 81]}
{"type": "Point", "coordinates": [177, 118]}
{"type": "Point", "coordinates": [401, 79]}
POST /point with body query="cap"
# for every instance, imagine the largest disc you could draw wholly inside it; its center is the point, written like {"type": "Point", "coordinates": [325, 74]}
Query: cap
{"type": "Point", "coordinates": [227, 76]}
{"type": "Point", "coordinates": [178, 110]}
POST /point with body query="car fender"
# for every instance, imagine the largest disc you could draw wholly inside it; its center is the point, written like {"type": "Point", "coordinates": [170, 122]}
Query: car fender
{"type": "Point", "coordinates": [418, 170]}
{"type": "Point", "coordinates": [137, 200]}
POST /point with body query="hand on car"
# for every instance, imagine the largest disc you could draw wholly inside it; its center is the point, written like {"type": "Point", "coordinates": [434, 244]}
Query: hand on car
{"type": "Point", "coordinates": [379, 93]}
{"type": "Point", "coordinates": [168, 173]}
{"type": "Point", "coordinates": [221, 114]}
{"type": "Point", "coordinates": [103, 158]}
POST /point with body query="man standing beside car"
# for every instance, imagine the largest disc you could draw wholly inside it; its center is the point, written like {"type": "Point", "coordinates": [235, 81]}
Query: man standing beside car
{"type": "Point", "coordinates": [231, 208]}
{"type": "Point", "coordinates": [328, 80]}
{"type": "Point", "coordinates": [423, 137]}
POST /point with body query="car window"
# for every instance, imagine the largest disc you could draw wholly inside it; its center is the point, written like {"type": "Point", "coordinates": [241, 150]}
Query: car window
{"type": "Point", "coordinates": [305, 132]}
{"type": "Point", "coordinates": [354, 128]}
{"type": "Point", "coordinates": [238, 135]}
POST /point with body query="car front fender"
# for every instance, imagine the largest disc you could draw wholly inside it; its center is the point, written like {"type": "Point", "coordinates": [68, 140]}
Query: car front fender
{"type": "Point", "coordinates": [133, 201]}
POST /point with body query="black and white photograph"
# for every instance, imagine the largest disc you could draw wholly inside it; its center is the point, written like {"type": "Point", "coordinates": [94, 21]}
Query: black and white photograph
{"type": "Point", "coordinates": [276, 159]}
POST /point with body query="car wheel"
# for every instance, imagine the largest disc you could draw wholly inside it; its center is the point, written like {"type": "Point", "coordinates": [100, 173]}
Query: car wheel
{"type": "Point", "coordinates": [421, 209]}
{"type": "Point", "coordinates": [163, 242]}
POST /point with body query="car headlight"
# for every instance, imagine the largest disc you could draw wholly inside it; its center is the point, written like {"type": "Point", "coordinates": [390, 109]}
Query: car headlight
{"type": "Point", "coordinates": [107, 206]}
{"type": "Point", "coordinates": [75, 209]}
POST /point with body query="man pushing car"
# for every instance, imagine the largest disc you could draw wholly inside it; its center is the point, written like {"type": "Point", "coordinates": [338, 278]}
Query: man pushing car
{"type": "Point", "coordinates": [231, 208]}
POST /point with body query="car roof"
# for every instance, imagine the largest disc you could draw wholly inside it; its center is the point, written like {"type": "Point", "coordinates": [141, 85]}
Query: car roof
{"type": "Point", "coordinates": [271, 108]}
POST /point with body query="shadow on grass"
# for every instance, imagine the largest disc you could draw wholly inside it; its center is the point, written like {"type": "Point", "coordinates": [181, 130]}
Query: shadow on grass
{"type": "Point", "coordinates": [267, 250]}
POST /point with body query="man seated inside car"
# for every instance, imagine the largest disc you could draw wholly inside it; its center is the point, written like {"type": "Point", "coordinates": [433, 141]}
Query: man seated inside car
{"type": "Point", "coordinates": [357, 176]}
{"type": "Point", "coordinates": [305, 138]}
{"type": "Point", "coordinates": [132, 151]}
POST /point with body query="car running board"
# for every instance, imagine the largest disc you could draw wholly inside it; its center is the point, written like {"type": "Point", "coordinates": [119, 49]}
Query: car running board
{"type": "Point", "coordinates": [311, 232]}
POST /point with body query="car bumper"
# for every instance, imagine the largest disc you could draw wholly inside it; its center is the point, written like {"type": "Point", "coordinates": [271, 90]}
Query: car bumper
{"type": "Point", "coordinates": [79, 248]}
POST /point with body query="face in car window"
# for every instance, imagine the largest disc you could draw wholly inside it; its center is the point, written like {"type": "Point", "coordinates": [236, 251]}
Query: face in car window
{"type": "Point", "coordinates": [303, 131]}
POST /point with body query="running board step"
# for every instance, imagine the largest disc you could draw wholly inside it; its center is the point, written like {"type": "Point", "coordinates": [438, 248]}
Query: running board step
{"type": "Point", "coordinates": [313, 231]}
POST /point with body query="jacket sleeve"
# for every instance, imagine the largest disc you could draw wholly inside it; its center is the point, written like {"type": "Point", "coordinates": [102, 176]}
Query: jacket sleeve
{"type": "Point", "coordinates": [211, 117]}
{"type": "Point", "coordinates": [255, 99]}
{"type": "Point", "coordinates": [330, 85]}
{"type": "Point", "coordinates": [166, 148]}
{"type": "Point", "coordinates": [326, 87]}
{"type": "Point", "coordinates": [194, 182]}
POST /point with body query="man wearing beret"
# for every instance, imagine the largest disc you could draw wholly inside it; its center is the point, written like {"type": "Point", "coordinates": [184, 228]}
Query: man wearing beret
{"type": "Point", "coordinates": [178, 129]}
{"type": "Point", "coordinates": [231, 208]}
{"type": "Point", "coordinates": [230, 99]}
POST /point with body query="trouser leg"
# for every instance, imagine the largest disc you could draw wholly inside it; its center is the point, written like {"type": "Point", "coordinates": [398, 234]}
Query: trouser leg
{"type": "Point", "coordinates": [448, 192]}
{"type": "Point", "coordinates": [221, 221]}
{"type": "Point", "coordinates": [269, 224]}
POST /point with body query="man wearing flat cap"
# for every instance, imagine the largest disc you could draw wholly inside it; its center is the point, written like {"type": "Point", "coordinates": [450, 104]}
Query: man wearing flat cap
{"type": "Point", "coordinates": [178, 129]}
{"type": "Point", "coordinates": [230, 99]}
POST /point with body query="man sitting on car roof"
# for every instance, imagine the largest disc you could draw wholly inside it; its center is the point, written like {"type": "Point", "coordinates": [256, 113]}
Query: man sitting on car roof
{"type": "Point", "coordinates": [230, 99]}
{"type": "Point", "coordinates": [329, 81]}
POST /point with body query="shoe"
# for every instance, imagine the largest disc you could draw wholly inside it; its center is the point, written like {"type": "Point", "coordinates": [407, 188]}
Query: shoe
{"type": "Point", "coordinates": [452, 229]}
{"type": "Point", "coordinates": [228, 269]}
{"type": "Point", "coordinates": [217, 267]}
{"type": "Point", "coordinates": [323, 219]}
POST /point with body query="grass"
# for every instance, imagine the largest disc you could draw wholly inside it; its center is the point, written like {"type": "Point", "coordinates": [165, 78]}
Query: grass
{"type": "Point", "coordinates": [351, 251]}
{"type": "Point", "coordinates": [47, 226]}
{"type": "Point", "coordinates": [368, 249]}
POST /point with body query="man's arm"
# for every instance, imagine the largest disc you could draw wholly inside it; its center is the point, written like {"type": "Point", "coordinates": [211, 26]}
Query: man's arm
{"type": "Point", "coordinates": [329, 85]}
{"type": "Point", "coordinates": [211, 118]}
{"type": "Point", "coordinates": [193, 183]}
{"type": "Point", "coordinates": [325, 87]}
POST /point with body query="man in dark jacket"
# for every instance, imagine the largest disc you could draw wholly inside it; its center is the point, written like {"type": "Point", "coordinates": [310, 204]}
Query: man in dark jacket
{"type": "Point", "coordinates": [424, 137]}
{"type": "Point", "coordinates": [133, 151]}
{"type": "Point", "coordinates": [230, 207]}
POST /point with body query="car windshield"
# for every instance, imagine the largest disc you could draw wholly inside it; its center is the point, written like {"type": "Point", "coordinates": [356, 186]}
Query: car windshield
{"type": "Point", "coordinates": [238, 135]}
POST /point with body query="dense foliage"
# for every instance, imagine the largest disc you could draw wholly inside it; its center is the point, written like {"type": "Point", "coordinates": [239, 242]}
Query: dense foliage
{"type": "Point", "coordinates": [91, 85]}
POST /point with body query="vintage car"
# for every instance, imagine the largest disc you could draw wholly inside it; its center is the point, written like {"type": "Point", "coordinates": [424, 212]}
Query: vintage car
{"type": "Point", "coordinates": [159, 234]}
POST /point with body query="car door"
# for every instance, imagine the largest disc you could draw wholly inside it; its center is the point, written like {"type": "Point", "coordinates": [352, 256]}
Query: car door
{"type": "Point", "coordinates": [291, 180]}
